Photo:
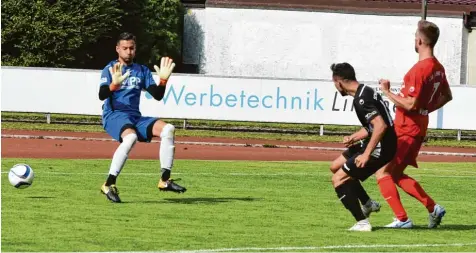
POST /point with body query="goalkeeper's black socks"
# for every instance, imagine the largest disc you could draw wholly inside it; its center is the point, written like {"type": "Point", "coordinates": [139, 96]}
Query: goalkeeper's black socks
{"type": "Point", "coordinates": [111, 179]}
{"type": "Point", "coordinates": [165, 174]}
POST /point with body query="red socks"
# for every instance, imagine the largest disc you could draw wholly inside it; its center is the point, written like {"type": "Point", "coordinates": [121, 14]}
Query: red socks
{"type": "Point", "coordinates": [413, 188]}
{"type": "Point", "coordinates": [390, 193]}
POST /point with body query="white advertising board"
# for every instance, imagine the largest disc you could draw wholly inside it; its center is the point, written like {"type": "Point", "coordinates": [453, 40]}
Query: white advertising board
{"type": "Point", "coordinates": [212, 98]}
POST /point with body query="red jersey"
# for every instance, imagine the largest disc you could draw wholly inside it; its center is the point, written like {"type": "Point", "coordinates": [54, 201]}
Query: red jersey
{"type": "Point", "coordinates": [424, 81]}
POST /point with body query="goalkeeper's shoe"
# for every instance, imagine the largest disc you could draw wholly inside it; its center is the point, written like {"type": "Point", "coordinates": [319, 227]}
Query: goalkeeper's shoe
{"type": "Point", "coordinates": [111, 193]}
{"type": "Point", "coordinates": [170, 185]}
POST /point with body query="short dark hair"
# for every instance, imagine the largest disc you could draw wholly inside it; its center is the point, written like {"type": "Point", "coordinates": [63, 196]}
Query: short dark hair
{"type": "Point", "coordinates": [126, 36]}
{"type": "Point", "coordinates": [343, 70]}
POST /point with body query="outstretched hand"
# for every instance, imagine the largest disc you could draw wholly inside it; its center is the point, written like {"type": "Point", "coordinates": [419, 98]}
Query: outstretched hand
{"type": "Point", "coordinates": [117, 76]}
{"type": "Point", "coordinates": [166, 68]}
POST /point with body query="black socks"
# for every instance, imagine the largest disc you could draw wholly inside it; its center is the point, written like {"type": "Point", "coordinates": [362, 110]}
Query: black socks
{"type": "Point", "coordinates": [346, 194]}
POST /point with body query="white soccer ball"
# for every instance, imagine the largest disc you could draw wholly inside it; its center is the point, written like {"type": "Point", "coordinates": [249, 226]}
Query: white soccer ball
{"type": "Point", "coordinates": [21, 176]}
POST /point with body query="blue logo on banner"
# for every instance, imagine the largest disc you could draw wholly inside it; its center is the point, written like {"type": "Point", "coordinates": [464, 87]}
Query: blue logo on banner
{"type": "Point", "coordinates": [210, 97]}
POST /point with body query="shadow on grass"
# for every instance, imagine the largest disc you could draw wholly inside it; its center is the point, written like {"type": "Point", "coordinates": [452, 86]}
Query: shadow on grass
{"type": "Point", "coordinates": [193, 200]}
{"type": "Point", "coordinates": [449, 227]}
{"type": "Point", "coordinates": [207, 200]}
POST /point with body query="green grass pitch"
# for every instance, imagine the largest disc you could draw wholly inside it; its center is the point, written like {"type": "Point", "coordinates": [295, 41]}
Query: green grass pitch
{"type": "Point", "coordinates": [228, 205]}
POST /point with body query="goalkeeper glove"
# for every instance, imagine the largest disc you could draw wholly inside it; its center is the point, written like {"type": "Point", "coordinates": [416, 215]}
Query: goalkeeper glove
{"type": "Point", "coordinates": [117, 76]}
{"type": "Point", "coordinates": [166, 67]}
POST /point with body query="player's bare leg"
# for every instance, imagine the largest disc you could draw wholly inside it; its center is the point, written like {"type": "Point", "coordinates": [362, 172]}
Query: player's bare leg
{"type": "Point", "coordinates": [368, 205]}
{"type": "Point", "coordinates": [414, 189]}
{"type": "Point", "coordinates": [166, 132]}
{"type": "Point", "coordinates": [344, 186]}
{"type": "Point", "coordinates": [337, 164]}
{"type": "Point", "coordinates": [129, 138]}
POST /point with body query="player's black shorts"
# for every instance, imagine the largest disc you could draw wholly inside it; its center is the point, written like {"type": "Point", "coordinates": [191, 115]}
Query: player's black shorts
{"type": "Point", "coordinates": [375, 162]}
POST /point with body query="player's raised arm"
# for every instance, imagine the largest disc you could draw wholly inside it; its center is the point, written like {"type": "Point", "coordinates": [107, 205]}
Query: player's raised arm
{"type": "Point", "coordinates": [117, 76]}
{"type": "Point", "coordinates": [111, 79]}
{"type": "Point", "coordinates": [407, 103]}
{"type": "Point", "coordinates": [166, 68]}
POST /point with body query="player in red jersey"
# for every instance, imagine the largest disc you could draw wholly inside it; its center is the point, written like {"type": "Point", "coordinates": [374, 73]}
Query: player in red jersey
{"type": "Point", "coordinates": [425, 89]}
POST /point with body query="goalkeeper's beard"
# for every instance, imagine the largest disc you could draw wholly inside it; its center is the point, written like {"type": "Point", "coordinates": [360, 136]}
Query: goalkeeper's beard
{"type": "Point", "coordinates": [127, 60]}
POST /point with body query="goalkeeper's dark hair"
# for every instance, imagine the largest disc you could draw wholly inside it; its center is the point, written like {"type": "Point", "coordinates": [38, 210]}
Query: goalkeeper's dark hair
{"type": "Point", "coordinates": [126, 36]}
{"type": "Point", "coordinates": [343, 70]}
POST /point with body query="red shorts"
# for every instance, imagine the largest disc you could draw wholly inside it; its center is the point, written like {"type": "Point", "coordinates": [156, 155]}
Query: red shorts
{"type": "Point", "coordinates": [408, 148]}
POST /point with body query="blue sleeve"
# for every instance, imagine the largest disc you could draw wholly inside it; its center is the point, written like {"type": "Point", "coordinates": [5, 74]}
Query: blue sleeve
{"type": "Point", "coordinates": [105, 76]}
{"type": "Point", "coordinates": [149, 80]}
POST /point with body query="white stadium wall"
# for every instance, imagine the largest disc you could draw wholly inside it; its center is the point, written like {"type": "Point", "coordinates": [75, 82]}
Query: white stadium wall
{"type": "Point", "coordinates": [211, 98]}
{"type": "Point", "coordinates": [297, 44]}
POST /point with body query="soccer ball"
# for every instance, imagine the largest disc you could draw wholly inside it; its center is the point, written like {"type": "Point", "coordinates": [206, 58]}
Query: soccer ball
{"type": "Point", "coordinates": [21, 176]}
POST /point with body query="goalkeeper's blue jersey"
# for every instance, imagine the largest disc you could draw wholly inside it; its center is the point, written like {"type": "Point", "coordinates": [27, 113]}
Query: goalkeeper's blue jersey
{"type": "Point", "coordinates": [127, 98]}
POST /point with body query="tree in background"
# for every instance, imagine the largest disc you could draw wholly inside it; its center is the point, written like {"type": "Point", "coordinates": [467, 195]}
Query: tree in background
{"type": "Point", "coordinates": [82, 33]}
{"type": "Point", "coordinates": [162, 29]}
{"type": "Point", "coordinates": [57, 34]}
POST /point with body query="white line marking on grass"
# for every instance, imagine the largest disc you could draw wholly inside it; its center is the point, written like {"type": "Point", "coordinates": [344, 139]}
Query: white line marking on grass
{"type": "Point", "coordinates": [19, 136]}
{"type": "Point", "coordinates": [442, 176]}
{"type": "Point", "coordinates": [364, 246]}
{"type": "Point", "coordinates": [443, 170]}
{"type": "Point", "coordinates": [332, 247]}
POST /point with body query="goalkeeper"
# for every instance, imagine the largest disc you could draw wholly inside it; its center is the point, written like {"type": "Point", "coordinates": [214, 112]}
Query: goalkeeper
{"type": "Point", "coordinates": [122, 81]}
